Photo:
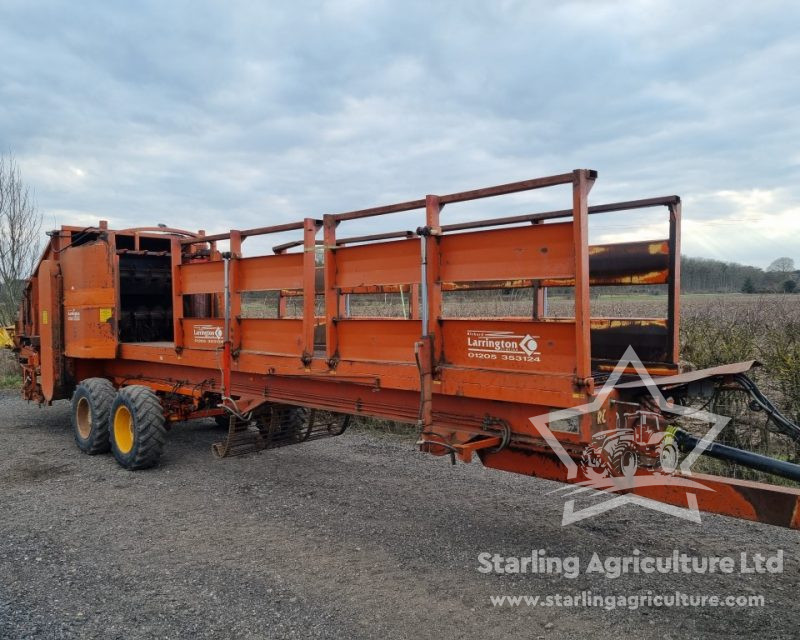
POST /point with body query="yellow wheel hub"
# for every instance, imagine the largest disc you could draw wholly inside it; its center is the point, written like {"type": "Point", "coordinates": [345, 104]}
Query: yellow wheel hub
{"type": "Point", "coordinates": [123, 429]}
{"type": "Point", "coordinates": [83, 418]}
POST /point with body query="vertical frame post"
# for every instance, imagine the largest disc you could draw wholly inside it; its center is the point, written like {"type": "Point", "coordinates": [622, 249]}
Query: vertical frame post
{"type": "Point", "coordinates": [580, 230]}
{"type": "Point", "coordinates": [581, 185]}
{"type": "Point", "coordinates": [177, 295]}
{"type": "Point", "coordinates": [310, 227]}
{"type": "Point", "coordinates": [433, 282]}
{"type": "Point", "coordinates": [235, 294]}
{"type": "Point", "coordinates": [674, 283]}
{"type": "Point", "coordinates": [117, 317]}
{"type": "Point", "coordinates": [226, 346]}
{"type": "Point", "coordinates": [428, 350]}
{"type": "Point", "coordinates": [538, 311]}
{"type": "Point", "coordinates": [331, 291]}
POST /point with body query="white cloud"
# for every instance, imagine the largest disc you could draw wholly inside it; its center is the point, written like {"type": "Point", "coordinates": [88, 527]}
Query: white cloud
{"type": "Point", "coordinates": [762, 224]}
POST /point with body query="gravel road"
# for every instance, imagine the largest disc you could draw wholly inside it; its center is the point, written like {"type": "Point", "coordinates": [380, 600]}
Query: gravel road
{"type": "Point", "coordinates": [352, 537]}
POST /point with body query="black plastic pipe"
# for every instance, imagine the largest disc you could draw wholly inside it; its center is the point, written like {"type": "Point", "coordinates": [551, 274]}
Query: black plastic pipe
{"type": "Point", "coordinates": [687, 442]}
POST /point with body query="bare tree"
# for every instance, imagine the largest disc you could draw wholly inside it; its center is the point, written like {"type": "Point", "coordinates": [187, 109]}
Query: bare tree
{"type": "Point", "coordinates": [20, 231]}
{"type": "Point", "coordinates": [781, 265]}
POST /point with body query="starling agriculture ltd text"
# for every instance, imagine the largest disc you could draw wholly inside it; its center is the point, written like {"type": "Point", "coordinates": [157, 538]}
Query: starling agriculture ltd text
{"type": "Point", "coordinates": [538, 562]}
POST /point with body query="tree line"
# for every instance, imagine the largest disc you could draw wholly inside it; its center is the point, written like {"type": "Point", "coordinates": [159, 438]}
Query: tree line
{"type": "Point", "coordinates": [704, 275]}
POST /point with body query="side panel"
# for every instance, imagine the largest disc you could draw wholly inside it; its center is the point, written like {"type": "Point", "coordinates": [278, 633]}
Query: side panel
{"type": "Point", "coordinates": [379, 263]}
{"type": "Point", "coordinates": [90, 301]}
{"type": "Point", "coordinates": [267, 272]}
{"type": "Point", "coordinates": [540, 251]}
{"type": "Point", "coordinates": [49, 328]}
{"type": "Point", "coordinates": [201, 277]}
{"type": "Point", "coordinates": [520, 346]}
{"type": "Point", "coordinates": [272, 335]}
{"type": "Point", "coordinates": [388, 340]}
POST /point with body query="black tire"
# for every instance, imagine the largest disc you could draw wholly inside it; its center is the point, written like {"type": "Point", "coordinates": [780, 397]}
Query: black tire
{"type": "Point", "coordinates": [625, 460]}
{"type": "Point", "coordinates": [136, 427]}
{"type": "Point", "coordinates": [284, 424]}
{"type": "Point", "coordinates": [223, 421]}
{"type": "Point", "coordinates": [296, 422]}
{"type": "Point", "coordinates": [91, 406]}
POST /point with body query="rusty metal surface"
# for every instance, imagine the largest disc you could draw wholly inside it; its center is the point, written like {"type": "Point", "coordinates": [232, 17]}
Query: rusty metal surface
{"type": "Point", "coordinates": [511, 187]}
{"type": "Point", "coordinates": [629, 258]}
{"type": "Point", "coordinates": [376, 237]}
{"type": "Point", "coordinates": [160, 230]}
{"type": "Point", "coordinates": [563, 213]}
{"type": "Point", "coordinates": [515, 187]}
{"type": "Point", "coordinates": [612, 336]}
{"type": "Point", "coordinates": [381, 210]}
{"type": "Point", "coordinates": [246, 233]}
{"type": "Point", "coordinates": [770, 504]}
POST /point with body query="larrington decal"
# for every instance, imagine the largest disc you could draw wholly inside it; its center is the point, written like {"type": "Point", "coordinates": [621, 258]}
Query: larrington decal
{"type": "Point", "coordinates": [207, 334]}
{"type": "Point", "coordinates": [502, 345]}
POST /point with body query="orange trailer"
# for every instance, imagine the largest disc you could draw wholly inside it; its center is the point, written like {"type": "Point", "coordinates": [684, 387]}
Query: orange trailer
{"type": "Point", "coordinates": [142, 328]}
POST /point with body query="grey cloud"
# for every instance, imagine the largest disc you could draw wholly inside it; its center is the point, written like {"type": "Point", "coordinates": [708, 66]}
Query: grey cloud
{"type": "Point", "coordinates": [209, 115]}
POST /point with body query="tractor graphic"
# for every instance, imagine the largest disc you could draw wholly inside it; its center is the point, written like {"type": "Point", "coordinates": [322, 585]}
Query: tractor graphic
{"type": "Point", "coordinates": [641, 443]}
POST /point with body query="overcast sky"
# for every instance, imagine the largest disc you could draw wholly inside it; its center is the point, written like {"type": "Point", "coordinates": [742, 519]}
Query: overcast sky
{"type": "Point", "coordinates": [219, 115]}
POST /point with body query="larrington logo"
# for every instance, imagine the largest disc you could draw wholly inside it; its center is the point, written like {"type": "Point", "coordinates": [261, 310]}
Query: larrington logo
{"type": "Point", "coordinates": [207, 334]}
{"type": "Point", "coordinates": [611, 460]}
{"type": "Point", "coordinates": [502, 345]}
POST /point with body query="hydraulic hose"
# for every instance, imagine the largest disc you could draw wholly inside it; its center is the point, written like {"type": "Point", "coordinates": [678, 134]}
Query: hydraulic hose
{"type": "Point", "coordinates": [784, 425]}
{"type": "Point", "coordinates": [781, 468]}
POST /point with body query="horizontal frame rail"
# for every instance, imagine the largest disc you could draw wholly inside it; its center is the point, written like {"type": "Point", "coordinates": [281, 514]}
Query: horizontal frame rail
{"type": "Point", "coordinates": [433, 258]}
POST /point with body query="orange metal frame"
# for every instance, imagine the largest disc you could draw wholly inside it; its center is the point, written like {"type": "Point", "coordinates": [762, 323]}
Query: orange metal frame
{"type": "Point", "coordinates": [471, 384]}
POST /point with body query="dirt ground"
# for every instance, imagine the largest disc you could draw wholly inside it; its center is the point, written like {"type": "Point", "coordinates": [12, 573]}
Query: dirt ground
{"type": "Point", "coordinates": [352, 537]}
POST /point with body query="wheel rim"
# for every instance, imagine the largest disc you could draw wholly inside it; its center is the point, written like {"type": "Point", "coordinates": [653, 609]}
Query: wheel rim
{"type": "Point", "coordinates": [629, 464]}
{"type": "Point", "coordinates": [123, 429]}
{"type": "Point", "coordinates": [83, 418]}
{"type": "Point", "coordinates": [669, 459]}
